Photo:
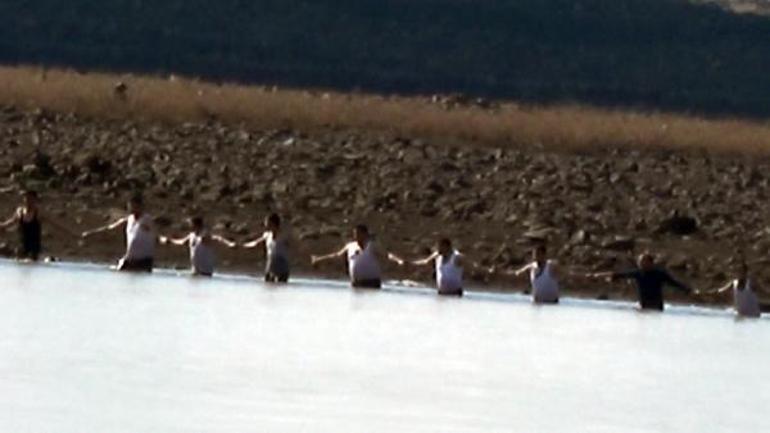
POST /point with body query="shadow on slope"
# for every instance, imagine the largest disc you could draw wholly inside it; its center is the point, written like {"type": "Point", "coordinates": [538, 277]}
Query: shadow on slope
{"type": "Point", "coordinates": [667, 54]}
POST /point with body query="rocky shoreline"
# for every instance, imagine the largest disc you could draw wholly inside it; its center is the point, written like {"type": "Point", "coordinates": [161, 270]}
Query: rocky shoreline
{"type": "Point", "coordinates": [595, 209]}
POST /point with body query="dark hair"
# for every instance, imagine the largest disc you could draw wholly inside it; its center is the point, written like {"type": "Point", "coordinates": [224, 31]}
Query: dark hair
{"type": "Point", "coordinates": [362, 228]}
{"type": "Point", "coordinates": [274, 219]}
{"type": "Point", "coordinates": [196, 221]}
{"type": "Point", "coordinates": [541, 248]}
{"type": "Point", "coordinates": [445, 241]}
{"type": "Point", "coordinates": [29, 193]}
{"type": "Point", "coordinates": [136, 199]}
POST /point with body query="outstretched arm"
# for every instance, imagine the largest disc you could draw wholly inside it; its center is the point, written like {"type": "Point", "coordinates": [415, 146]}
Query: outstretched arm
{"type": "Point", "coordinates": [108, 227]}
{"type": "Point", "coordinates": [673, 282]}
{"type": "Point", "coordinates": [615, 276]}
{"type": "Point", "coordinates": [224, 241]}
{"type": "Point", "coordinates": [510, 272]}
{"type": "Point", "coordinates": [727, 287]}
{"type": "Point", "coordinates": [419, 262]}
{"type": "Point", "coordinates": [180, 242]}
{"type": "Point", "coordinates": [522, 270]}
{"type": "Point", "coordinates": [336, 255]}
{"type": "Point", "coordinates": [255, 243]}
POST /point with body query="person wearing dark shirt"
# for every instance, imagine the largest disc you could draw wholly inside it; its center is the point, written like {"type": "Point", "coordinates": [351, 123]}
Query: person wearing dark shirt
{"type": "Point", "coordinates": [650, 280]}
{"type": "Point", "coordinates": [29, 219]}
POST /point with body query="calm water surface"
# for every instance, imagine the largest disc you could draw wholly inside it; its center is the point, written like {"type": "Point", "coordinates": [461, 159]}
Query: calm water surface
{"type": "Point", "coordinates": [88, 350]}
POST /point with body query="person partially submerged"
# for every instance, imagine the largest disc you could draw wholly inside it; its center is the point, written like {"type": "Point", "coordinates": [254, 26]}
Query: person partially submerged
{"type": "Point", "coordinates": [276, 239]}
{"type": "Point", "coordinates": [449, 264]}
{"type": "Point", "coordinates": [544, 275]}
{"type": "Point", "coordinates": [743, 290]}
{"type": "Point", "coordinates": [140, 237]}
{"type": "Point", "coordinates": [650, 280]}
{"type": "Point", "coordinates": [362, 259]}
{"type": "Point", "coordinates": [29, 219]}
{"type": "Point", "coordinates": [201, 244]}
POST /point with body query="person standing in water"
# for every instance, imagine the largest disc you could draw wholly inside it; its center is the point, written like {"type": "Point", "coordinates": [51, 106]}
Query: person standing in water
{"type": "Point", "coordinates": [650, 280]}
{"type": "Point", "coordinates": [743, 289]}
{"type": "Point", "coordinates": [140, 237]}
{"type": "Point", "coordinates": [449, 265]}
{"type": "Point", "coordinates": [201, 244]}
{"type": "Point", "coordinates": [362, 258]}
{"type": "Point", "coordinates": [276, 239]}
{"type": "Point", "coordinates": [544, 276]}
{"type": "Point", "coordinates": [29, 220]}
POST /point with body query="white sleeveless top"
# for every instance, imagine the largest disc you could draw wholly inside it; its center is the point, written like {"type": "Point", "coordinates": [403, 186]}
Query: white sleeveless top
{"type": "Point", "coordinates": [545, 287]}
{"type": "Point", "coordinates": [746, 301]}
{"type": "Point", "coordinates": [140, 243]}
{"type": "Point", "coordinates": [276, 246]}
{"type": "Point", "coordinates": [202, 256]}
{"type": "Point", "coordinates": [362, 264]}
{"type": "Point", "coordinates": [449, 276]}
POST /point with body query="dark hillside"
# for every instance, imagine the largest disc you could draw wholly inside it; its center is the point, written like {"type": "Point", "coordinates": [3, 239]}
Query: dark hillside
{"type": "Point", "coordinates": [667, 54]}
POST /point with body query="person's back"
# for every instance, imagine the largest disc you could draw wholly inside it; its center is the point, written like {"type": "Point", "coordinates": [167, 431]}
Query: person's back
{"type": "Point", "coordinates": [449, 275]}
{"type": "Point", "coordinates": [277, 267]}
{"type": "Point", "coordinates": [649, 286]}
{"type": "Point", "coordinates": [745, 300]}
{"type": "Point", "coordinates": [202, 256]}
{"type": "Point", "coordinates": [362, 262]}
{"type": "Point", "coordinates": [140, 239]}
{"type": "Point", "coordinates": [545, 287]}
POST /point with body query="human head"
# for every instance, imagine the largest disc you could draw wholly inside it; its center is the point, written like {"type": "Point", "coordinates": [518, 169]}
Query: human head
{"type": "Point", "coordinates": [646, 261]}
{"type": "Point", "coordinates": [273, 221]}
{"type": "Point", "coordinates": [196, 223]}
{"type": "Point", "coordinates": [135, 204]}
{"type": "Point", "coordinates": [540, 253]}
{"type": "Point", "coordinates": [743, 269]}
{"type": "Point", "coordinates": [29, 197]}
{"type": "Point", "coordinates": [444, 246]}
{"type": "Point", "coordinates": [361, 233]}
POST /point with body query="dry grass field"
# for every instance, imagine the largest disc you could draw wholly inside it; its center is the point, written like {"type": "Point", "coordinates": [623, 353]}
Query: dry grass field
{"type": "Point", "coordinates": [565, 127]}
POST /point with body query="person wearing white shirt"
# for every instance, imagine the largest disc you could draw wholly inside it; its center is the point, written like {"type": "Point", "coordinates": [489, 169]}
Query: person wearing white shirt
{"type": "Point", "coordinates": [140, 237]}
{"type": "Point", "coordinates": [449, 264]}
{"type": "Point", "coordinates": [544, 276]}
{"type": "Point", "coordinates": [362, 259]}
{"type": "Point", "coordinates": [743, 291]}
{"type": "Point", "coordinates": [276, 240]}
{"type": "Point", "coordinates": [201, 244]}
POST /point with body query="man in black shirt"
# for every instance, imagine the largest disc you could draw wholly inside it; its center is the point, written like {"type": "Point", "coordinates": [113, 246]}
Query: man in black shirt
{"type": "Point", "coordinates": [650, 280]}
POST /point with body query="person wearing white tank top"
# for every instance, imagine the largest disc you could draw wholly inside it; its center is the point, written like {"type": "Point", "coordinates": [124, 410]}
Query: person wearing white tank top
{"type": "Point", "coordinates": [200, 242]}
{"type": "Point", "coordinates": [543, 276]}
{"type": "Point", "coordinates": [743, 291]}
{"type": "Point", "coordinates": [276, 240]}
{"type": "Point", "coordinates": [362, 260]}
{"type": "Point", "coordinates": [140, 237]}
{"type": "Point", "coordinates": [448, 264]}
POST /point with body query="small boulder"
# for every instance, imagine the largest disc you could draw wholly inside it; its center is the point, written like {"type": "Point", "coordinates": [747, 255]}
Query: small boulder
{"type": "Point", "coordinates": [677, 224]}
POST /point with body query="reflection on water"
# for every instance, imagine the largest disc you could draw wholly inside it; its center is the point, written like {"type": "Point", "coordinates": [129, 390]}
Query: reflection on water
{"type": "Point", "coordinates": [87, 350]}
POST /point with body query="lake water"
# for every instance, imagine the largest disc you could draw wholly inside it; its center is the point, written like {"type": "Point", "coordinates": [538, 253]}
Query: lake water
{"type": "Point", "coordinates": [88, 350]}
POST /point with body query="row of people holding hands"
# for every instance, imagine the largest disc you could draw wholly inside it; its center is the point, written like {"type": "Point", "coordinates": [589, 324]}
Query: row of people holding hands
{"type": "Point", "coordinates": [361, 255]}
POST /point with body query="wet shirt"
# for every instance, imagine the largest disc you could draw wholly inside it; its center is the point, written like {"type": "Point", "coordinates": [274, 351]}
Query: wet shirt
{"type": "Point", "coordinates": [649, 285]}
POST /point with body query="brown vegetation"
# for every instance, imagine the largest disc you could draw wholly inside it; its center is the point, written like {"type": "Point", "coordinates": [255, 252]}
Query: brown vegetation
{"type": "Point", "coordinates": [178, 100]}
